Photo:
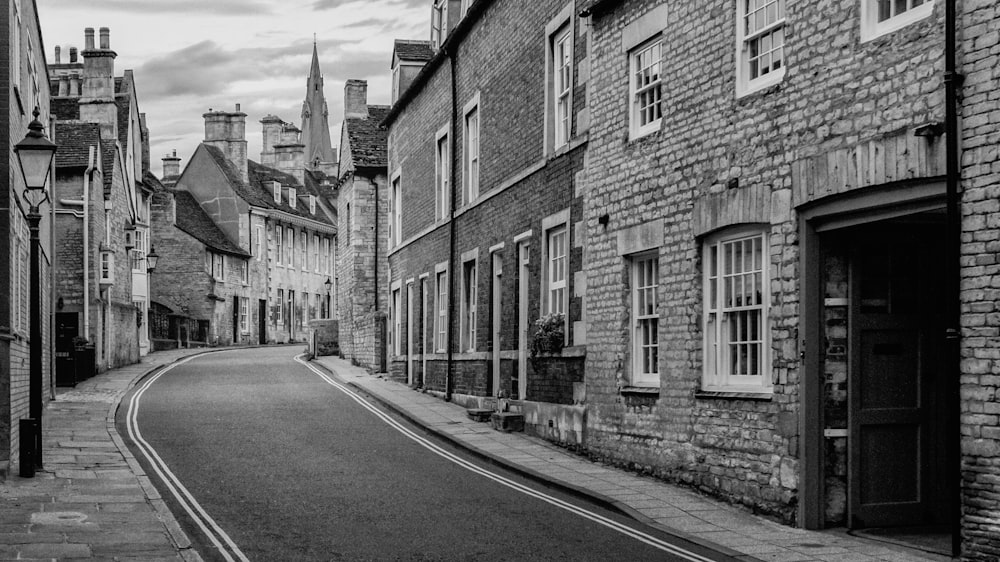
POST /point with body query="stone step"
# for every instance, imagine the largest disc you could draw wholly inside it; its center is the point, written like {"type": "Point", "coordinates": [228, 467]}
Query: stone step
{"type": "Point", "coordinates": [508, 422]}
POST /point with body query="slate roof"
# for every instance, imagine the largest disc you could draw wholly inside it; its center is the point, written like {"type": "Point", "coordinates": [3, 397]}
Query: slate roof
{"type": "Point", "coordinates": [152, 182]}
{"type": "Point", "coordinates": [192, 219]}
{"type": "Point", "coordinates": [368, 139]}
{"type": "Point", "coordinates": [108, 152]}
{"type": "Point", "coordinates": [124, 103]}
{"type": "Point", "coordinates": [75, 140]}
{"type": "Point", "coordinates": [65, 109]}
{"type": "Point", "coordinates": [119, 80]}
{"type": "Point", "coordinates": [412, 50]}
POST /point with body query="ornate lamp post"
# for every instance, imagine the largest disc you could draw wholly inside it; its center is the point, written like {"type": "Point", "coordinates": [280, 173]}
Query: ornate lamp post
{"type": "Point", "coordinates": [151, 259]}
{"type": "Point", "coordinates": [34, 156]}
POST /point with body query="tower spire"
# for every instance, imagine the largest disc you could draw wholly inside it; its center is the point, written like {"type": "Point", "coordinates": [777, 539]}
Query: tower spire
{"type": "Point", "coordinates": [315, 122]}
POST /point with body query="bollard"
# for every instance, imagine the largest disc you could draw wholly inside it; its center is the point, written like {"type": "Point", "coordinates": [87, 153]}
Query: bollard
{"type": "Point", "coordinates": [27, 428]}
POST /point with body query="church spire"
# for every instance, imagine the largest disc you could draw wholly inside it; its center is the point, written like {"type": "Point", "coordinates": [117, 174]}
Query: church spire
{"type": "Point", "coordinates": [315, 122]}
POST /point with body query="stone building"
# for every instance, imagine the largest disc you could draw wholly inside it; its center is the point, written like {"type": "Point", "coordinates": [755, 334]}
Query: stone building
{"type": "Point", "coordinates": [487, 145]}
{"type": "Point", "coordinates": [23, 72]}
{"type": "Point", "coordinates": [362, 207]}
{"type": "Point", "coordinates": [102, 211]}
{"type": "Point", "coordinates": [281, 276]}
{"type": "Point", "coordinates": [772, 259]}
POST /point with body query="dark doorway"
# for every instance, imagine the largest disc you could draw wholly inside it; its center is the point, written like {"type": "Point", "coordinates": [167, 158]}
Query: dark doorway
{"type": "Point", "coordinates": [67, 329]}
{"type": "Point", "coordinates": [897, 475]}
{"type": "Point", "coordinates": [262, 321]}
{"type": "Point", "coordinates": [236, 319]}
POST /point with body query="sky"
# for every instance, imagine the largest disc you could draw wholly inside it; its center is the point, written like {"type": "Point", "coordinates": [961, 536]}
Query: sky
{"type": "Point", "coordinates": [192, 55]}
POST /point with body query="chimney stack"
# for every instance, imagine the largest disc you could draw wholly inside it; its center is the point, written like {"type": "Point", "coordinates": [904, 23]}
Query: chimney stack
{"type": "Point", "coordinates": [58, 54]}
{"type": "Point", "coordinates": [271, 131]}
{"type": "Point", "coordinates": [105, 38]}
{"type": "Point", "coordinates": [97, 104]}
{"type": "Point", "coordinates": [356, 99]}
{"type": "Point", "coordinates": [74, 84]}
{"type": "Point", "coordinates": [290, 152]}
{"type": "Point", "coordinates": [227, 132]}
{"type": "Point", "coordinates": [171, 165]}
{"type": "Point", "coordinates": [72, 55]}
{"type": "Point", "coordinates": [88, 39]}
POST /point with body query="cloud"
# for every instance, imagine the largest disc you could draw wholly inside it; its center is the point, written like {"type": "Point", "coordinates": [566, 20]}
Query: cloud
{"type": "Point", "coordinates": [188, 7]}
{"type": "Point", "coordinates": [320, 5]}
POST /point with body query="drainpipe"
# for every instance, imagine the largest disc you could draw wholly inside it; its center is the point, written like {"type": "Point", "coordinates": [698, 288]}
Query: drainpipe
{"type": "Point", "coordinates": [383, 367]}
{"type": "Point", "coordinates": [452, 142]}
{"type": "Point", "coordinates": [953, 237]}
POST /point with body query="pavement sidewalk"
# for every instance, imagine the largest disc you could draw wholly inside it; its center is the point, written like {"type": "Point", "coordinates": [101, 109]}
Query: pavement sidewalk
{"type": "Point", "coordinates": [92, 501]}
{"type": "Point", "coordinates": [673, 509]}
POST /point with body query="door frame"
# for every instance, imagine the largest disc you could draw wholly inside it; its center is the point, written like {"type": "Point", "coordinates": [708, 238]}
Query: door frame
{"type": "Point", "coordinates": [815, 217]}
{"type": "Point", "coordinates": [261, 321]}
{"type": "Point", "coordinates": [409, 331]}
{"type": "Point", "coordinates": [523, 286]}
{"type": "Point", "coordinates": [496, 262]}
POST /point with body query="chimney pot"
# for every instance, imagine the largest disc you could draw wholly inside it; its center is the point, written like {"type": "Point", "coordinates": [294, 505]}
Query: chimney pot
{"type": "Point", "coordinates": [105, 38]}
{"type": "Point", "coordinates": [88, 39]}
{"type": "Point", "coordinates": [237, 107]}
{"type": "Point", "coordinates": [58, 54]}
{"type": "Point", "coordinates": [72, 55]}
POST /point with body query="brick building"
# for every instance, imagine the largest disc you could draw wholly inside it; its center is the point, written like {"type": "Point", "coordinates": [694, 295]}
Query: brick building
{"type": "Point", "coordinates": [771, 270]}
{"type": "Point", "coordinates": [280, 277]}
{"type": "Point", "coordinates": [102, 212]}
{"type": "Point", "coordinates": [362, 208]}
{"type": "Point", "coordinates": [487, 144]}
{"type": "Point", "coordinates": [22, 88]}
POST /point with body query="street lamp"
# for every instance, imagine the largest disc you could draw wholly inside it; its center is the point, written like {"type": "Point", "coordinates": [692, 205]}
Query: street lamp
{"type": "Point", "coordinates": [329, 285]}
{"type": "Point", "coordinates": [34, 157]}
{"type": "Point", "coordinates": [151, 258]}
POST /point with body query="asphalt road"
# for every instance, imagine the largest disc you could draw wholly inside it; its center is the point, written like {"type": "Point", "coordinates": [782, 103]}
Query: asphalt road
{"type": "Point", "coordinates": [293, 469]}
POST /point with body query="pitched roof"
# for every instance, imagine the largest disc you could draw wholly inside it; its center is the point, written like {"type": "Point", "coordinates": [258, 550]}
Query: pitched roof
{"type": "Point", "coordinates": [75, 140]}
{"type": "Point", "coordinates": [108, 152]}
{"type": "Point", "coordinates": [152, 182]}
{"type": "Point", "coordinates": [412, 50]}
{"type": "Point", "coordinates": [259, 174]}
{"type": "Point", "coordinates": [192, 219]}
{"type": "Point", "coordinates": [65, 109]}
{"type": "Point", "coordinates": [124, 103]}
{"type": "Point", "coordinates": [368, 138]}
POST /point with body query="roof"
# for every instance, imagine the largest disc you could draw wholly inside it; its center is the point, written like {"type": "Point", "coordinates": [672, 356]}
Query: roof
{"type": "Point", "coordinates": [192, 219]}
{"type": "Point", "coordinates": [368, 138]}
{"type": "Point", "coordinates": [412, 50]}
{"type": "Point", "coordinates": [152, 182]}
{"type": "Point", "coordinates": [119, 80]}
{"type": "Point", "coordinates": [108, 152]}
{"type": "Point", "coordinates": [124, 103]}
{"type": "Point", "coordinates": [65, 109]}
{"type": "Point", "coordinates": [75, 140]}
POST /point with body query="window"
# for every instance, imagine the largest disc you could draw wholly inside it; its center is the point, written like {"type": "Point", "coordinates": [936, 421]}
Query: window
{"type": "Point", "coordinates": [471, 176]}
{"type": "Point", "coordinates": [276, 188]}
{"type": "Point", "coordinates": [244, 315]}
{"type": "Point", "coordinates": [139, 252]}
{"type": "Point", "coordinates": [556, 262]}
{"type": "Point", "coordinates": [245, 272]}
{"type": "Point", "coordinates": [879, 17]}
{"type": "Point", "coordinates": [293, 198]}
{"type": "Point", "coordinates": [441, 318]}
{"type": "Point", "coordinates": [260, 242]}
{"type": "Point", "coordinates": [395, 326]}
{"type": "Point", "coordinates": [315, 248]}
{"type": "Point", "coordinates": [562, 83]}
{"type": "Point", "coordinates": [290, 246]}
{"type": "Point", "coordinates": [327, 257]}
{"type": "Point", "coordinates": [761, 35]}
{"type": "Point", "coordinates": [442, 167]}
{"type": "Point", "coordinates": [107, 267]}
{"type": "Point", "coordinates": [304, 250]}
{"type": "Point", "coordinates": [305, 306]}
{"type": "Point", "coordinates": [439, 22]}
{"type": "Point", "coordinates": [15, 53]}
{"type": "Point", "coordinates": [394, 211]}
{"type": "Point", "coordinates": [277, 245]}
{"type": "Point", "coordinates": [735, 316]}
{"type": "Point", "coordinates": [218, 267]}
{"type": "Point", "coordinates": [645, 95]}
{"type": "Point", "coordinates": [645, 321]}
{"type": "Point", "coordinates": [395, 83]}
{"type": "Point", "coordinates": [469, 292]}
{"type": "Point", "coordinates": [279, 313]}
{"type": "Point", "coordinates": [312, 204]}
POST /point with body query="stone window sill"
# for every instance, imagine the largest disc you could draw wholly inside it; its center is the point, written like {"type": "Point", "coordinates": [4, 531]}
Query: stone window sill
{"type": "Point", "coordinates": [640, 390]}
{"type": "Point", "coordinates": [715, 394]}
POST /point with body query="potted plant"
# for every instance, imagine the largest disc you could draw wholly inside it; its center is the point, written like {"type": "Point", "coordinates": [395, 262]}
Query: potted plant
{"type": "Point", "coordinates": [549, 335]}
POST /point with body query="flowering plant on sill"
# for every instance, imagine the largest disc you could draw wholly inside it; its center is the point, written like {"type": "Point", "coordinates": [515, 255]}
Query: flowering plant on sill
{"type": "Point", "coordinates": [549, 335]}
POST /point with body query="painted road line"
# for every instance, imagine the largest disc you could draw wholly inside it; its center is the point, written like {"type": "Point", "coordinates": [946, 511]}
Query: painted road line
{"type": "Point", "coordinates": [208, 526]}
{"type": "Point", "coordinates": [430, 445]}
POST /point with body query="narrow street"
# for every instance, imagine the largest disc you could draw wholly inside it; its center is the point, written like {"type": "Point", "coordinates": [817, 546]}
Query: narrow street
{"type": "Point", "coordinates": [292, 468]}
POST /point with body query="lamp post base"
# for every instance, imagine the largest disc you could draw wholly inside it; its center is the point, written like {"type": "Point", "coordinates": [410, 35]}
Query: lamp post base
{"type": "Point", "coordinates": [28, 434]}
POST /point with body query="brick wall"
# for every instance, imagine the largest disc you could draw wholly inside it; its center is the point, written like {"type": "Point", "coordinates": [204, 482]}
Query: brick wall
{"type": "Point", "coordinates": [979, 45]}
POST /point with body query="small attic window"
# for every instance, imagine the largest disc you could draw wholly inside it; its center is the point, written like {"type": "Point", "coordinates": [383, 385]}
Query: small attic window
{"type": "Point", "coordinates": [312, 204]}
{"type": "Point", "coordinates": [291, 197]}
{"type": "Point", "coordinates": [276, 186]}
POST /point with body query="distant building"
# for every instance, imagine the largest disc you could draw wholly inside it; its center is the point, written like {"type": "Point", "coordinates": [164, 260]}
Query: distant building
{"type": "Point", "coordinates": [318, 152]}
{"type": "Point", "coordinates": [23, 71]}
{"type": "Point", "coordinates": [487, 142]}
{"type": "Point", "coordinates": [102, 210]}
{"type": "Point", "coordinates": [362, 211]}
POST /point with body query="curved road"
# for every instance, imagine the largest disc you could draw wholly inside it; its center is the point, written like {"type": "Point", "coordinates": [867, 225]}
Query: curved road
{"type": "Point", "coordinates": [292, 468]}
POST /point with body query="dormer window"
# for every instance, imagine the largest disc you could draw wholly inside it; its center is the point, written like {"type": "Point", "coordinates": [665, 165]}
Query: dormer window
{"type": "Point", "coordinates": [276, 186]}
{"type": "Point", "coordinates": [291, 197]}
{"type": "Point", "coordinates": [312, 204]}
{"type": "Point", "coordinates": [439, 22]}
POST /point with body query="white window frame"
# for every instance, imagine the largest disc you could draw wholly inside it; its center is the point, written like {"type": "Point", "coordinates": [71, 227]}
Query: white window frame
{"type": "Point", "coordinates": [279, 249]}
{"type": "Point", "coordinates": [395, 221]}
{"type": "Point", "coordinates": [107, 267]}
{"type": "Point", "coordinates": [471, 145]}
{"type": "Point", "coordinates": [218, 266]}
{"type": "Point", "coordinates": [555, 268]}
{"type": "Point", "coordinates": [395, 325]}
{"type": "Point", "coordinates": [745, 84]}
{"type": "Point", "coordinates": [441, 308]}
{"type": "Point", "coordinates": [279, 316]}
{"type": "Point", "coordinates": [244, 315]}
{"type": "Point", "coordinates": [395, 83]}
{"type": "Point", "coordinates": [304, 250]}
{"type": "Point", "coordinates": [245, 272]}
{"type": "Point", "coordinates": [290, 246]}
{"type": "Point", "coordinates": [442, 174]}
{"type": "Point", "coordinates": [139, 251]}
{"type": "Point", "coordinates": [15, 54]}
{"type": "Point", "coordinates": [470, 295]}
{"type": "Point", "coordinates": [439, 22]}
{"type": "Point", "coordinates": [718, 311]}
{"type": "Point", "coordinates": [872, 28]}
{"type": "Point", "coordinates": [327, 257]}
{"type": "Point", "coordinates": [276, 191]}
{"type": "Point", "coordinates": [643, 68]}
{"type": "Point", "coordinates": [293, 197]}
{"type": "Point", "coordinates": [645, 316]}
{"type": "Point", "coordinates": [559, 67]}
{"type": "Point", "coordinates": [21, 257]}
{"type": "Point", "coordinates": [316, 253]}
